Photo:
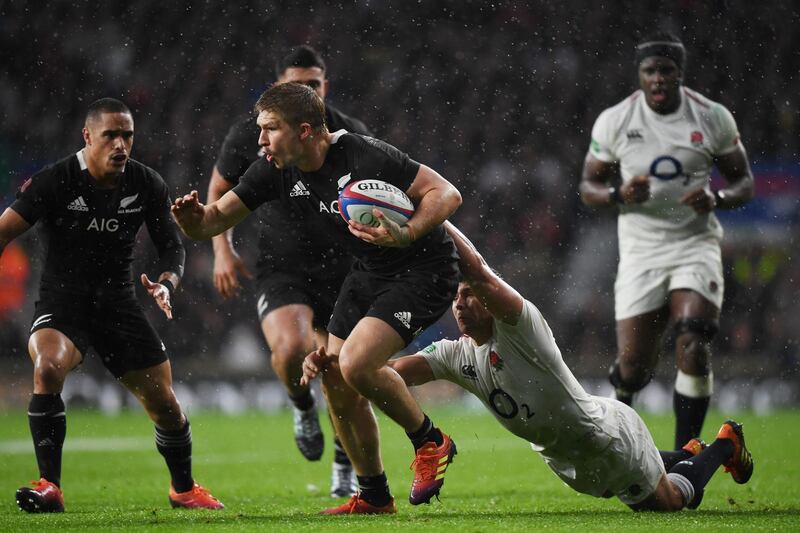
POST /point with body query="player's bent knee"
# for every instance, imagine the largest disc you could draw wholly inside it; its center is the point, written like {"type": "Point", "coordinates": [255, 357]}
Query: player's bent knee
{"type": "Point", "coordinates": [50, 372]}
{"type": "Point", "coordinates": [631, 384]}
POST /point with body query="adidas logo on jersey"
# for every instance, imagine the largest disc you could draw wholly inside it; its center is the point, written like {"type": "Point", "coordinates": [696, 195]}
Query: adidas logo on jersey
{"type": "Point", "coordinates": [78, 204]}
{"type": "Point", "coordinates": [404, 317]}
{"type": "Point", "coordinates": [299, 190]}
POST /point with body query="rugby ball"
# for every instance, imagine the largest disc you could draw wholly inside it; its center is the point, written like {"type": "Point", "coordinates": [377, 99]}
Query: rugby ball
{"type": "Point", "coordinates": [357, 199]}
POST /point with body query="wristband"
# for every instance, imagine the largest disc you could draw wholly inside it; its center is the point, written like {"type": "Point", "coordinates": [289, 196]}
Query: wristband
{"type": "Point", "coordinates": [719, 198]}
{"type": "Point", "coordinates": [615, 195]}
{"type": "Point", "coordinates": [169, 286]}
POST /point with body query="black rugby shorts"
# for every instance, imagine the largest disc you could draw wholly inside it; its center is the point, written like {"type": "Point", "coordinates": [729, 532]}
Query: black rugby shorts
{"type": "Point", "coordinates": [115, 327]}
{"type": "Point", "coordinates": [408, 302]}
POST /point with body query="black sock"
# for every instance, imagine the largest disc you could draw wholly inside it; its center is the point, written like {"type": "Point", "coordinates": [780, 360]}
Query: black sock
{"type": "Point", "coordinates": [339, 455]}
{"type": "Point", "coordinates": [374, 489]}
{"type": "Point", "coordinates": [671, 458]}
{"type": "Point", "coordinates": [624, 397]}
{"type": "Point", "coordinates": [48, 422]}
{"type": "Point", "coordinates": [304, 402]}
{"type": "Point", "coordinates": [699, 469]}
{"type": "Point", "coordinates": [689, 416]}
{"type": "Point", "coordinates": [427, 432]}
{"type": "Point", "coordinates": [176, 448]}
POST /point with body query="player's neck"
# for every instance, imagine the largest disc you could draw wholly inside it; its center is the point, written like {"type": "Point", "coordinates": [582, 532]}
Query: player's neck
{"type": "Point", "coordinates": [316, 153]}
{"type": "Point", "coordinates": [480, 336]}
{"type": "Point", "coordinates": [102, 180]}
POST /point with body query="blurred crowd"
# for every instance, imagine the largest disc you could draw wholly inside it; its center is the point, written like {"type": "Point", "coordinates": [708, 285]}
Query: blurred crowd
{"type": "Point", "coordinates": [499, 98]}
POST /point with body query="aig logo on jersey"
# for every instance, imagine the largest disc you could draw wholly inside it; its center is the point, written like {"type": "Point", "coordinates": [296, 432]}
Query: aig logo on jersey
{"type": "Point", "coordinates": [103, 224]}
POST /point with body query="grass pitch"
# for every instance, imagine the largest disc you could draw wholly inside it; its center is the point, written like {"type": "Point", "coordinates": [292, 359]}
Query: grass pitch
{"type": "Point", "coordinates": [114, 479]}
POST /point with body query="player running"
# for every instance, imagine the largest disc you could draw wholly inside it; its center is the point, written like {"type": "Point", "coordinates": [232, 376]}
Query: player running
{"type": "Point", "coordinates": [664, 139]}
{"type": "Point", "coordinates": [90, 206]}
{"type": "Point", "coordinates": [293, 303]}
{"type": "Point", "coordinates": [402, 281]}
{"type": "Point", "coordinates": [597, 446]}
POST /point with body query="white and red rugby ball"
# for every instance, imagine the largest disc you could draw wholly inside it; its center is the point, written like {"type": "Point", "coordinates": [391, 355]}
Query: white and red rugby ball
{"type": "Point", "coordinates": [357, 199]}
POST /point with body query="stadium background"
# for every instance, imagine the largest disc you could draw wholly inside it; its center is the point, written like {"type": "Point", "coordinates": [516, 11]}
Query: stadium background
{"type": "Point", "coordinates": [499, 98]}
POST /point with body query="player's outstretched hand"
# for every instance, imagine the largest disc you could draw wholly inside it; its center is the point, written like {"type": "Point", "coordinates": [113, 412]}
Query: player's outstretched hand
{"type": "Point", "coordinates": [314, 363]}
{"type": "Point", "coordinates": [388, 233]}
{"type": "Point", "coordinates": [700, 200]}
{"type": "Point", "coordinates": [160, 294]}
{"type": "Point", "coordinates": [188, 211]}
{"type": "Point", "coordinates": [636, 191]}
{"type": "Point", "coordinates": [227, 268]}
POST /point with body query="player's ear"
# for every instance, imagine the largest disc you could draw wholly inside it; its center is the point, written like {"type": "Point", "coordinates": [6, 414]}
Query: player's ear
{"type": "Point", "coordinates": [86, 137]}
{"type": "Point", "coordinates": [306, 131]}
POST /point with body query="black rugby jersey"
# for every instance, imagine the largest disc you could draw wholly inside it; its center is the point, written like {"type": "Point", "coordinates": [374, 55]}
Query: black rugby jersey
{"type": "Point", "coordinates": [316, 196]}
{"type": "Point", "coordinates": [89, 233]}
{"type": "Point", "coordinates": [284, 241]}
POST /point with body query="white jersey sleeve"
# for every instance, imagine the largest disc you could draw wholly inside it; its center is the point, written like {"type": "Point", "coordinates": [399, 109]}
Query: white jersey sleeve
{"type": "Point", "coordinates": [441, 356]}
{"type": "Point", "coordinates": [604, 135]}
{"type": "Point", "coordinates": [723, 127]}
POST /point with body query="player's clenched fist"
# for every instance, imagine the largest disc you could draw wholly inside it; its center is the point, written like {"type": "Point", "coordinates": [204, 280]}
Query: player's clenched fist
{"type": "Point", "coordinates": [636, 191]}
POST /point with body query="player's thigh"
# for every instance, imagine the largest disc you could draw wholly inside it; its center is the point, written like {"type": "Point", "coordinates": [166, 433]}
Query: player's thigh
{"type": "Point", "coordinates": [289, 330]}
{"type": "Point", "coordinates": [58, 330]}
{"type": "Point", "coordinates": [124, 338]}
{"type": "Point", "coordinates": [53, 352]}
{"type": "Point", "coordinates": [639, 337]}
{"type": "Point", "coordinates": [371, 343]}
{"type": "Point", "coordinates": [689, 304]}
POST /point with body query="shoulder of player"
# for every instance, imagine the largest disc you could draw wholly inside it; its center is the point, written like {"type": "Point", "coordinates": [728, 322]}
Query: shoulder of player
{"type": "Point", "coordinates": [54, 173]}
{"type": "Point", "coordinates": [704, 107]}
{"type": "Point", "coordinates": [142, 174]}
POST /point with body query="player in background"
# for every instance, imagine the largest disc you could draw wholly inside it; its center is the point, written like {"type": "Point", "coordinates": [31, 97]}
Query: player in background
{"type": "Point", "coordinates": [298, 273]}
{"type": "Point", "coordinates": [596, 445]}
{"type": "Point", "coordinates": [664, 140]}
{"type": "Point", "coordinates": [402, 281]}
{"type": "Point", "coordinates": [90, 206]}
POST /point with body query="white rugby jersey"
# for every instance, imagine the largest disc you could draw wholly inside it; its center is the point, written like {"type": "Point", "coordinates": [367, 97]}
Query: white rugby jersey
{"type": "Point", "coordinates": [676, 151]}
{"type": "Point", "coordinates": [520, 376]}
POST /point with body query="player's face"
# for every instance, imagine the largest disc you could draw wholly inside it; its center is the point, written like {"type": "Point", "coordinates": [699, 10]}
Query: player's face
{"type": "Point", "coordinates": [279, 140]}
{"type": "Point", "coordinates": [109, 140]}
{"type": "Point", "coordinates": [660, 80]}
{"type": "Point", "coordinates": [471, 315]}
{"type": "Point", "coordinates": [314, 77]}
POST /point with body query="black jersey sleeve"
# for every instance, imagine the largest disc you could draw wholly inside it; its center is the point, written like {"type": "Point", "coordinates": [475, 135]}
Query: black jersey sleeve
{"type": "Point", "coordinates": [239, 149]}
{"type": "Point", "coordinates": [162, 228]}
{"type": "Point", "coordinates": [35, 195]}
{"type": "Point", "coordinates": [259, 184]}
{"type": "Point", "coordinates": [380, 160]}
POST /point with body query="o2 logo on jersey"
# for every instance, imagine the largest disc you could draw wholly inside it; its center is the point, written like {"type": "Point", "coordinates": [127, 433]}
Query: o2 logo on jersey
{"type": "Point", "coordinates": [668, 168]}
{"type": "Point", "coordinates": [102, 224]}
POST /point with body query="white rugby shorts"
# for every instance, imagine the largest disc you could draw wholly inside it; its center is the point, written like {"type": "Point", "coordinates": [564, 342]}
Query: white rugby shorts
{"type": "Point", "coordinates": [640, 291]}
{"type": "Point", "coordinates": [630, 468]}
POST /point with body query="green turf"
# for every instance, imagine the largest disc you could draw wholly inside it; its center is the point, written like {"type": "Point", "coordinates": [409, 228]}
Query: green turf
{"type": "Point", "coordinates": [250, 462]}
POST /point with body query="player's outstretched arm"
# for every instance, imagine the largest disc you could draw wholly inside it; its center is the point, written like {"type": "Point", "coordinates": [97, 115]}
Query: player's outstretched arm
{"type": "Point", "coordinates": [414, 369]}
{"type": "Point", "coordinates": [201, 222]}
{"type": "Point", "coordinates": [500, 298]}
{"type": "Point", "coordinates": [228, 265]}
{"type": "Point", "coordinates": [12, 225]}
